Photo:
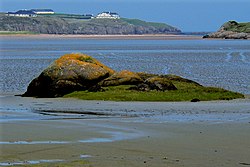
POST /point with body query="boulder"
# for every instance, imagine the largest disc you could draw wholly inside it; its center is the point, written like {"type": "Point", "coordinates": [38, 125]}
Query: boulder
{"type": "Point", "coordinates": [124, 77]}
{"type": "Point", "coordinates": [170, 77]}
{"type": "Point", "coordinates": [155, 83]}
{"type": "Point", "coordinates": [69, 73]}
{"type": "Point", "coordinates": [161, 84]}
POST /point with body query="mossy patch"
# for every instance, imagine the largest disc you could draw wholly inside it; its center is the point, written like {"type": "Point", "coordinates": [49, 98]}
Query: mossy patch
{"type": "Point", "coordinates": [184, 92]}
{"type": "Point", "coordinates": [86, 59]}
{"type": "Point", "coordinates": [237, 27]}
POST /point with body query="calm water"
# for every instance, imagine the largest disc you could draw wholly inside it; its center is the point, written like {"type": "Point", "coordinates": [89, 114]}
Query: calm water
{"type": "Point", "coordinates": [210, 62]}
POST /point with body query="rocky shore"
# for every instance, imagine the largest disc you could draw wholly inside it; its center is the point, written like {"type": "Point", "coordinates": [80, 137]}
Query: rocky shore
{"type": "Point", "coordinates": [232, 30]}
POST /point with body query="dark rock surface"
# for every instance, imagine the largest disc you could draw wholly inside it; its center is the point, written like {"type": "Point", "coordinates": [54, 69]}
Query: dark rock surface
{"type": "Point", "coordinates": [56, 25]}
{"type": "Point", "coordinates": [160, 84]}
{"type": "Point", "coordinates": [155, 83]}
{"type": "Point", "coordinates": [170, 77]}
{"type": "Point", "coordinates": [124, 77]}
{"type": "Point", "coordinates": [69, 73]}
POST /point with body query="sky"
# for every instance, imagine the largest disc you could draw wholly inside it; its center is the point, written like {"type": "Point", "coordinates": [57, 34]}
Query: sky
{"type": "Point", "coordinates": [187, 15]}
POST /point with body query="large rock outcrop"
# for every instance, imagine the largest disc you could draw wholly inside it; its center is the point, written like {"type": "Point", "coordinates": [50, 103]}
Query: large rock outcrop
{"type": "Point", "coordinates": [69, 73]}
{"type": "Point", "coordinates": [232, 30]}
{"type": "Point", "coordinates": [79, 72]}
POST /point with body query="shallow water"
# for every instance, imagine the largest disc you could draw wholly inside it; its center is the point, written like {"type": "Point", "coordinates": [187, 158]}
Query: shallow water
{"type": "Point", "coordinates": [222, 63]}
{"type": "Point", "coordinates": [31, 162]}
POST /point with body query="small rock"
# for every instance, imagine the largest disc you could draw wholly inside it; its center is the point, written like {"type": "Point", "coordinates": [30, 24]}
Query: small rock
{"type": "Point", "coordinates": [195, 100]}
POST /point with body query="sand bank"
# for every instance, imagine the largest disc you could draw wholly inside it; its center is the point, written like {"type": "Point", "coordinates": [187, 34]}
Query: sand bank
{"type": "Point", "coordinates": [125, 133]}
{"type": "Point", "coordinates": [109, 37]}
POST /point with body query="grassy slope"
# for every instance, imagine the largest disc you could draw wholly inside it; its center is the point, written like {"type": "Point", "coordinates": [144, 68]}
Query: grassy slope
{"type": "Point", "coordinates": [240, 27]}
{"type": "Point", "coordinates": [65, 16]}
{"type": "Point", "coordinates": [136, 22]}
{"type": "Point", "coordinates": [185, 92]}
{"type": "Point", "coordinates": [144, 23]}
{"type": "Point", "coordinates": [130, 21]}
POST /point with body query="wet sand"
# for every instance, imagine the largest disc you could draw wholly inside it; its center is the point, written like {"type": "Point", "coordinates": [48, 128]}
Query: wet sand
{"type": "Point", "coordinates": [106, 133]}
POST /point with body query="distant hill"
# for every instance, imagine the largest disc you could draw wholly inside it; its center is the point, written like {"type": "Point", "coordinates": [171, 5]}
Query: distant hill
{"type": "Point", "coordinates": [232, 30]}
{"type": "Point", "coordinates": [77, 24]}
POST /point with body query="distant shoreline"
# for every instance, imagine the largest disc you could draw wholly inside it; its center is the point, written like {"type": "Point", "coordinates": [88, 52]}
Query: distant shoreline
{"type": "Point", "coordinates": [113, 37]}
{"type": "Point", "coordinates": [139, 37]}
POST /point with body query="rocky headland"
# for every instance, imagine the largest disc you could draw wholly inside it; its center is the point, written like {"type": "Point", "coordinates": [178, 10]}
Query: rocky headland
{"type": "Point", "coordinates": [78, 72]}
{"type": "Point", "coordinates": [59, 25]}
{"type": "Point", "coordinates": [232, 30]}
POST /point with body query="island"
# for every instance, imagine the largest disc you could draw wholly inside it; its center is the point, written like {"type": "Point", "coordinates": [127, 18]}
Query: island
{"type": "Point", "coordinates": [232, 30]}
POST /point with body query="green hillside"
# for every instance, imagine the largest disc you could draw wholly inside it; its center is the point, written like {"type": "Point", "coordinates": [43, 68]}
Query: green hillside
{"type": "Point", "coordinates": [237, 27]}
{"type": "Point", "coordinates": [61, 23]}
{"type": "Point", "coordinates": [138, 22]}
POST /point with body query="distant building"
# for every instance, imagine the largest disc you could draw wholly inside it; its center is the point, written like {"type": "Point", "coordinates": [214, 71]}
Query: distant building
{"type": "Point", "coordinates": [108, 15]}
{"type": "Point", "coordinates": [22, 13]}
{"type": "Point", "coordinates": [90, 16]}
{"type": "Point", "coordinates": [43, 11]}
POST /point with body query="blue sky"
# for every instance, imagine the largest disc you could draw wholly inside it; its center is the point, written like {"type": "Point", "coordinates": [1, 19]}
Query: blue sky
{"type": "Point", "coordinates": [188, 15]}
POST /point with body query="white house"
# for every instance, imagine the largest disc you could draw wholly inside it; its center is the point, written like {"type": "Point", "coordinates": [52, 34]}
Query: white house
{"type": "Point", "coordinates": [108, 15]}
{"type": "Point", "coordinates": [22, 13]}
{"type": "Point", "coordinates": [43, 11]}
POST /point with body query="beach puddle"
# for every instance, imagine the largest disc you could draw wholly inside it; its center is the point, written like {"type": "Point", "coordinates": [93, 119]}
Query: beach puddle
{"type": "Point", "coordinates": [112, 137]}
{"type": "Point", "coordinates": [85, 156]}
{"type": "Point", "coordinates": [33, 142]}
{"type": "Point", "coordinates": [31, 162]}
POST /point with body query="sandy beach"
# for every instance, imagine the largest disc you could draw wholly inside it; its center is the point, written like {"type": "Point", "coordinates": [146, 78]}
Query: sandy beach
{"type": "Point", "coordinates": [105, 133]}
{"type": "Point", "coordinates": [108, 37]}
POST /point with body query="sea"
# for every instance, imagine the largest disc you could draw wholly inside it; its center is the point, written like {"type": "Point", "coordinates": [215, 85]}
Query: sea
{"type": "Point", "coordinates": [218, 63]}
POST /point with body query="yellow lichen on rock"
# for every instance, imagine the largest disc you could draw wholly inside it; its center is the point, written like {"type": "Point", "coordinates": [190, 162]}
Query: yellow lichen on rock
{"type": "Point", "coordinates": [80, 59]}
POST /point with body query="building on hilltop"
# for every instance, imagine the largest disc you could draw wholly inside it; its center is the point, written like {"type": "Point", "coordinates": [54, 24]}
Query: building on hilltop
{"type": "Point", "coordinates": [30, 13]}
{"type": "Point", "coordinates": [108, 15]}
{"type": "Point", "coordinates": [43, 11]}
{"type": "Point", "coordinates": [89, 16]}
{"type": "Point", "coordinates": [22, 13]}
